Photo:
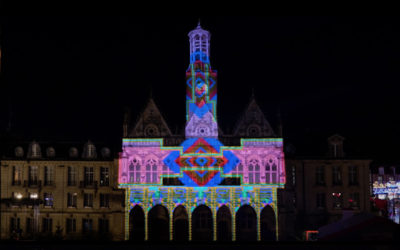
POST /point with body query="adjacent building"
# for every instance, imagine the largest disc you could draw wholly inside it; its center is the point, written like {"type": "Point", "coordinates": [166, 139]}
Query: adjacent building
{"type": "Point", "coordinates": [64, 190]}
{"type": "Point", "coordinates": [324, 186]}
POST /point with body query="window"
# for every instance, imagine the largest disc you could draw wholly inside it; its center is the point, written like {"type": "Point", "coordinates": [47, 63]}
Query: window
{"type": "Point", "coordinates": [14, 224]}
{"type": "Point", "coordinates": [151, 171]}
{"type": "Point", "coordinates": [87, 225]}
{"type": "Point", "coordinates": [29, 225]}
{"type": "Point", "coordinates": [88, 200]}
{"type": "Point", "coordinates": [104, 177]}
{"type": "Point", "coordinates": [271, 171]}
{"type": "Point", "coordinates": [71, 199]}
{"type": "Point", "coordinates": [254, 171]}
{"type": "Point", "coordinates": [33, 175]}
{"type": "Point", "coordinates": [294, 175]}
{"type": "Point", "coordinates": [16, 175]}
{"type": "Point", "coordinates": [48, 199]}
{"type": "Point", "coordinates": [354, 200]}
{"type": "Point", "coordinates": [134, 171]}
{"type": "Point", "coordinates": [336, 176]}
{"type": "Point", "coordinates": [48, 176]}
{"type": "Point", "coordinates": [103, 226]}
{"type": "Point", "coordinates": [71, 176]}
{"type": "Point", "coordinates": [88, 176]}
{"type": "Point", "coordinates": [353, 175]}
{"type": "Point", "coordinates": [337, 200]}
{"type": "Point", "coordinates": [47, 225]}
{"type": "Point", "coordinates": [239, 169]}
{"type": "Point", "coordinates": [321, 200]}
{"type": "Point", "coordinates": [104, 200]}
{"type": "Point", "coordinates": [71, 225]}
{"type": "Point", "coordinates": [320, 175]}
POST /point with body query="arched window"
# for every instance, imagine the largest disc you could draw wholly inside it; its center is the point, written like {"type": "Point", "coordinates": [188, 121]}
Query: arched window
{"type": "Point", "coordinates": [254, 171]}
{"type": "Point", "coordinates": [271, 171]}
{"type": "Point", "coordinates": [151, 171]}
{"type": "Point", "coordinates": [134, 171]}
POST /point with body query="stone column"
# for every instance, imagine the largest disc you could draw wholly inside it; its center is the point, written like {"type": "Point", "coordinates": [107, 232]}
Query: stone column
{"type": "Point", "coordinates": [214, 218]}
{"type": "Point", "coordinates": [190, 222]}
{"type": "Point", "coordinates": [233, 224]}
{"type": "Point", "coordinates": [146, 226]}
{"type": "Point", "coordinates": [171, 223]}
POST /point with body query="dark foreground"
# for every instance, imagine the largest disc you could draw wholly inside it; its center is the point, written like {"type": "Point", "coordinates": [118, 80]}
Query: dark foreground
{"type": "Point", "coordinates": [197, 246]}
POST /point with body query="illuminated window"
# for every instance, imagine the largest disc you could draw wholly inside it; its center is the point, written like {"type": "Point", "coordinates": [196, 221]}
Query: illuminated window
{"type": "Point", "coordinates": [254, 171]}
{"type": "Point", "coordinates": [48, 176]}
{"type": "Point", "coordinates": [33, 175]}
{"type": "Point", "coordinates": [16, 175]}
{"type": "Point", "coordinates": [104, 177]}
{"type": "Point", "coordinates": [271, 171]}
{"type": "Point", "coordinates": [320, 175]}
{"type": "Point", "coordinates": [336, 176]}
{"type": "Point", "coordinates": [48, 199]}
{"type": "Point", "coordinates": [353, 175]}
{"type": "Point", "coordinates": [134, 171]}
{"type": "Point", "coordinates": [151, 171]}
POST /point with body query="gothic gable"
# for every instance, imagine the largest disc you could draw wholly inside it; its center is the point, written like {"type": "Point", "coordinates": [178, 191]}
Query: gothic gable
{"type": "Point", "coordinates": [150, 123]}
{"type": "Point", "coordinates": [253, 123]}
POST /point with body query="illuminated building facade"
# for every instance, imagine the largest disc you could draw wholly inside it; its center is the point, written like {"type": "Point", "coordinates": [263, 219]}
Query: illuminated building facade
{"type": "Point", "coordinates": [386, 189]}
{"type": "Point", "coordinates": [196, 187]}
{"type": "Point", "coordinates": [55, 190]}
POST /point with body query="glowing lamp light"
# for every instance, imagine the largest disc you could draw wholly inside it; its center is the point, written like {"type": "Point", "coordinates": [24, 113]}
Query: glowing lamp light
{"type": "Point", "coordinates": [18, 196]}
{"type": "Point", "coordinates": [33, 196]}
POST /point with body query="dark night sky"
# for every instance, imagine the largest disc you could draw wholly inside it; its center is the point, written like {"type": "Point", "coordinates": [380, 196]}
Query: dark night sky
{"type": "Point", "coordinates": [73, 76]}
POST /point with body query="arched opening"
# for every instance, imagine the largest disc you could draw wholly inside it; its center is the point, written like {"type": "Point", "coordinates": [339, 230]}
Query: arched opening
{"type": "Point", "coordinates": [268, 224]}
{"type": "Point", "coordinates": [246, 224]}
{"type": "Point", "coordinates": [224, 224]}
{"type": "Point", "coordinates": [181, 225]}
{"type": "Point", "coordinates": [158, 224]}
{"type": "Point", "coordinates": [202, 228]}
{"type": "Point", "coordinates": [136, 224]}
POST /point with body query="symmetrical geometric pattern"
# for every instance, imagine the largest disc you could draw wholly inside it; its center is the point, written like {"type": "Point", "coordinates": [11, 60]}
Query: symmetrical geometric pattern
{"type": "Point", "coordinates": [201, 162]}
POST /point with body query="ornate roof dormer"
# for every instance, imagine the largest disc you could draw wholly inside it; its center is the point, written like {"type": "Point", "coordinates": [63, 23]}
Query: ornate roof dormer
{"type": "Point", "coordinates": [89, 151]}
{"type": "Point", "coordinates": [34, 150]}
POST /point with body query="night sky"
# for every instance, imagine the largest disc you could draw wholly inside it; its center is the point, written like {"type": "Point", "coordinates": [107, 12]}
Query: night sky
{"type": "Point", "coordinates": [72, 77]}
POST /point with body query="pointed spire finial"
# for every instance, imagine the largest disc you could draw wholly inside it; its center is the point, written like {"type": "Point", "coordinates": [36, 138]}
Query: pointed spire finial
{"type": "Point", "coordinates": [252, 93]}
{"type": "Point", "coordinates": [198, 24]}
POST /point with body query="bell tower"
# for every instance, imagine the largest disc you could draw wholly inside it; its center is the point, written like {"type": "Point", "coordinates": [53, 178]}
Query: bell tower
{"type": "Point", "coordinates": [201, 88]}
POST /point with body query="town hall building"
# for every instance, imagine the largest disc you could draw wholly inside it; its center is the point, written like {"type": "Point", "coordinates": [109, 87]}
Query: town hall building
{"type": "Point", "coordinates": [203, 185]}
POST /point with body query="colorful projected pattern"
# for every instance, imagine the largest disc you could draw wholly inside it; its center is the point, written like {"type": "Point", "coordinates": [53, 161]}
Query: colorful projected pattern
{"type": "Point", "coordinates": [201, 162]}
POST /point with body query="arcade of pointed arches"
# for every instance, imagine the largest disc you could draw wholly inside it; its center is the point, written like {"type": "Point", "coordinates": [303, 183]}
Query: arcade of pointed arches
{"type": "Point", "coordinates": [200, 224]}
